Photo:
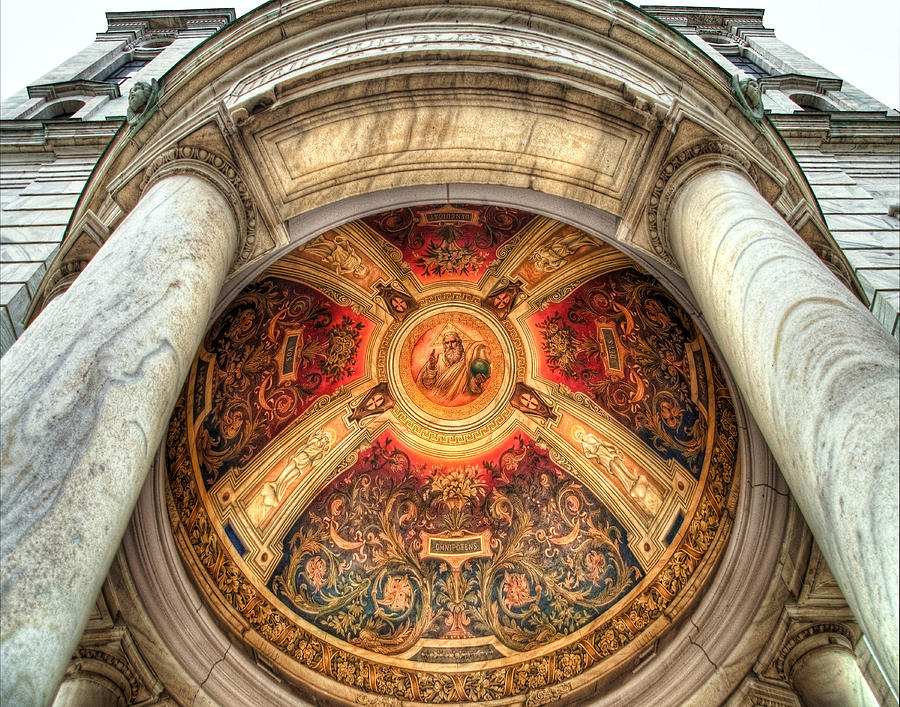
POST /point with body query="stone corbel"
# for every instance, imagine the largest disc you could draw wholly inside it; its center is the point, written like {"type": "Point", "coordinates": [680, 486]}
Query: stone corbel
{"type": "Point", "coordinates": [256, 102]}
{"type": "Point", "coordinates": [221, 174]}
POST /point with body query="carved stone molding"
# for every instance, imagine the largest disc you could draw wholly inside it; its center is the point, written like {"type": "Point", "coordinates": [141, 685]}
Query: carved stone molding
{"type": "Point", "coordinates": [787, 655]}
{"type": "Point", "coordinates": [143, 36]}
{"type": "Point", "coordinates": [108, 655]}
{"type": "Point", "coordinates": [692, 159]}
{"type": "Point", "coordinates": [761, 693]}
{"type": "Point", "coordinates": [717, 153]}
{"type": "Point", "coordinates": [223, 175]}
{"type": "Point", "coordinates": [89, 661]}
{"type": "Point", "coordinates": [65, 276]}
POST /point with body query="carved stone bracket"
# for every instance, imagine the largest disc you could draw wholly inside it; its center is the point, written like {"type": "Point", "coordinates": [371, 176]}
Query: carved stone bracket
{"type": "Point", "coordinates": [222, 174]}
{"type": "Point", "coordinates": [697, 157]}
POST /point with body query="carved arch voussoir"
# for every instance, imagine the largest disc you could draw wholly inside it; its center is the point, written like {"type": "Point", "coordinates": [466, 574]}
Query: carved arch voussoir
{"type": "Point", "coordinates": [198, 161]}
{"type": "Point", "coordinates": [692, 159]}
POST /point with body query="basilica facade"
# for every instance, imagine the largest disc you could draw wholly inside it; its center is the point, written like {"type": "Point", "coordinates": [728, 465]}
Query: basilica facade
{"type": "Point", "coordinates": [423, 353]}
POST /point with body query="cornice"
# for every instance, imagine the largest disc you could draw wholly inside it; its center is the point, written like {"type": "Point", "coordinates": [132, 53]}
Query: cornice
{"type": "Point", "coordinates": [149, 20]}
{"type": "Point", "coordinates": [801, 82]}
{"type": "Point", "coordinates": [78, 88]}
{"type": "Point", "coordinates": [46, 136]}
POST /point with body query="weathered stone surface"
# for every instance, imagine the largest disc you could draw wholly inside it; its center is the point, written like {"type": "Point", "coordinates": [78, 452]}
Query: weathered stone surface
{"type": "Point", "coordinates": [819, 374]}
{"type": "Point", "coordinates": [829, 676]}
{"type": "Point", "coordinates": [87, 393]}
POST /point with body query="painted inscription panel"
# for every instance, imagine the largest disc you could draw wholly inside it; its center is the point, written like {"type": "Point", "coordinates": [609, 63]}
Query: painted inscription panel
{"type": "Point", "coordinates": [449, 242]}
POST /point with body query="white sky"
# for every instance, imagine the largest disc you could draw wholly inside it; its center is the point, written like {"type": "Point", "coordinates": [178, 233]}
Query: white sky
{"type": "Point", "coordinates": [857, 40]}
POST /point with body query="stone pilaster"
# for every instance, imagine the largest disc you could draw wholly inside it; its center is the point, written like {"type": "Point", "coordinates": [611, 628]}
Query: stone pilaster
{"type": "Point", "coordinates": [87, 392]}
{"type": "Point", "coordinates": [818, 372]}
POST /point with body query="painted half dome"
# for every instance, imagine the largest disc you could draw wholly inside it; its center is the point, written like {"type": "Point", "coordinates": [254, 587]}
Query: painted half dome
{"type": "Point", "coordinates": [452, 453]}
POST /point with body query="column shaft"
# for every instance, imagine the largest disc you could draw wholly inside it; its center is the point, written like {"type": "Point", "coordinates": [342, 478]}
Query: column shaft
{"type": "Point", "coordinates": [828, 676]}
{"type": "Point", "coordinates": [819, 374]}
{"type": "Point", "coordinates": [87, 393]}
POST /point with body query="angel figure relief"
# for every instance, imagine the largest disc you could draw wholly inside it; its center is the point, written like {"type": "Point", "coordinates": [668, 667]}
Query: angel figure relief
{"type": "Point", "coordinates": [274, 492]}
{"type": "Point", "coordinates": [553, 255]}
{"type": "Point", "coordinates": [642, 492]}
{"type": "Point", "coordinates": [339, 253]}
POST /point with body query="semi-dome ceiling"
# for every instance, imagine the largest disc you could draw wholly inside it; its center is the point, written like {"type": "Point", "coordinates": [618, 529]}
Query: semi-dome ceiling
{"type": "Point", "coordinates": [452, 453]}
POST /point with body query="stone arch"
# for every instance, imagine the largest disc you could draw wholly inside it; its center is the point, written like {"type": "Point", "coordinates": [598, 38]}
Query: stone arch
{"type": "Point", "coordinates": [512, 101]}
{"type": "Point", "coordinates": [762, 520]}
{"type": "Point", "coordinates": [58, 110]}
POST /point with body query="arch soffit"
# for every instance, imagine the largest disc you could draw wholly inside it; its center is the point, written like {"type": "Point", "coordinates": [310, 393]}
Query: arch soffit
{"type": "Point", "coordinates": [311, 104]}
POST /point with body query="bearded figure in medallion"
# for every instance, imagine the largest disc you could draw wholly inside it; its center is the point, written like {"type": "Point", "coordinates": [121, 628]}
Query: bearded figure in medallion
{"type": "Point", "coordinates": [457, 375]}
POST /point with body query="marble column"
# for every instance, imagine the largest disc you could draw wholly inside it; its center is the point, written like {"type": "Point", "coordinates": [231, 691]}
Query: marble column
{"type": "Point", "coordinates": [824, 673]}
{"type": "Point", "coordinates": [87, 393]}
{"type": "Point", "coordinates": [819, 374]}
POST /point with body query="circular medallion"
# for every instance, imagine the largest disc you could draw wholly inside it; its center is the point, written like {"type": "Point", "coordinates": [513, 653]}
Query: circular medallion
{"type": "Point", "coordinates": [454, 366]}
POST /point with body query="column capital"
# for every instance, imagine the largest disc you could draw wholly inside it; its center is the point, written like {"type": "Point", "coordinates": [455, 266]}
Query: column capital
{"type": "Point", "coordinates": [219, 172]}
{"type": "Point", "coordinates": [696, 158]}
{"type": "Point", "coordinates": [839, 636]}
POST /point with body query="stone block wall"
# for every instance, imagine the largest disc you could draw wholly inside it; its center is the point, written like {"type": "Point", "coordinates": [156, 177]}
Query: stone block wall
{"type": "Point", "coordinates": [44, 163]}
{"type": "Point", "coordinates": [39, 191]}
{"type": "Point", "coordinates": [858, 193]}
{"type": "Point", "coordinates": [847, 142]}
